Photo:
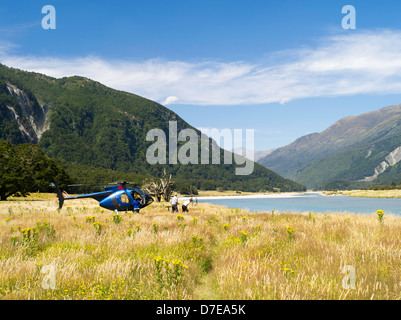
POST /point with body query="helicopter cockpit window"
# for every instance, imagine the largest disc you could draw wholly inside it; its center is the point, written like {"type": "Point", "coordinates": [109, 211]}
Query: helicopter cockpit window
{"type": "Point", "coordinates": [136, 195]}
{"type": "Point", "coordinates": [124, 198]}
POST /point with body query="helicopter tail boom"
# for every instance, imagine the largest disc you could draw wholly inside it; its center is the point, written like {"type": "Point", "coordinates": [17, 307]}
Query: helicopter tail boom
{"type": "Point", "coordinates": [59, 195]}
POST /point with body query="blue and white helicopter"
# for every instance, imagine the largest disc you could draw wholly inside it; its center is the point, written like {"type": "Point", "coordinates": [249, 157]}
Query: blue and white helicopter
{"type": "Point", "coordinates": [116, 198]}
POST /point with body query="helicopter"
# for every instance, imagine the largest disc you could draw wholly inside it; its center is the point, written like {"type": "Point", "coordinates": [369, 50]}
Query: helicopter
{"type": "Point", "coordinates": [117, 197]}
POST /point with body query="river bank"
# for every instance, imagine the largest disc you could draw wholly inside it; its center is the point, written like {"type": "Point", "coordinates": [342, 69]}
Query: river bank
{"type": "Point", "coordinates": [395, 194]}
{"type": "Point", "coordinates": [253, 195]}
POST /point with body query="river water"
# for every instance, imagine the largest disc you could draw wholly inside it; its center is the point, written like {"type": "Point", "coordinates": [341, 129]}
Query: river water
{"type": "Point", "coordinates": [308, 202]}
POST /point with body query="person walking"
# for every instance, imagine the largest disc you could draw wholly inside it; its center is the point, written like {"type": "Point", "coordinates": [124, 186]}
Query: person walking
{"type": "Point", "coordinates": [174, 203]}
{"type": "Point", "coordinates": [185, 205]}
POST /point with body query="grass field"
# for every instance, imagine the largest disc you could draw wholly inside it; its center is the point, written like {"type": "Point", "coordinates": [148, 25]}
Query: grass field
{"type": "Point", "coordinates": [212, 252]}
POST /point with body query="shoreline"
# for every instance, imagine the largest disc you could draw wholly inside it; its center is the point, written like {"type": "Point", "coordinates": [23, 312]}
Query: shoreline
{"type": "Point", "coordinates": [252, 196]}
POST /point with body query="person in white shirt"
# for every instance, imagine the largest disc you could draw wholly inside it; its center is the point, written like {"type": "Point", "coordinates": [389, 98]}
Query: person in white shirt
{"type": "Point", "coordinates": [185, 205]}
{"type": "Point", "coordinates": [174, 203]}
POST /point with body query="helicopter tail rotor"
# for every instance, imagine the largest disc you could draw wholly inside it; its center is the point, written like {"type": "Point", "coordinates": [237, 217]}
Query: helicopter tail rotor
{"type": "Point", "coordinates": [59, 195]}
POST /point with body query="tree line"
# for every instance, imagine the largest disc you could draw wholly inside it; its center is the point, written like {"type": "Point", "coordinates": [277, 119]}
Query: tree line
{"type": "Point", "coordinates": [24, 169]}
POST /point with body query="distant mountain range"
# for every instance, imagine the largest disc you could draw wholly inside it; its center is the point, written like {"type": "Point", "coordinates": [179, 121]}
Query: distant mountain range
{"type": "Point", "coordinates": [257, 154]}
{"type": "Point", "coordinates": [356, 151]}
{"type": "Point", "coordinates": [93, 130]}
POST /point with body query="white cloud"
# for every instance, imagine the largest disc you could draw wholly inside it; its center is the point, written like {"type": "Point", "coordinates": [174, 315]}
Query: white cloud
{"type": "Point", "coordinates": [359, 62]}
{"type": "Point", "coordinates": [285, 100]}
{"type": "Point", "coordinates": [169, 100]}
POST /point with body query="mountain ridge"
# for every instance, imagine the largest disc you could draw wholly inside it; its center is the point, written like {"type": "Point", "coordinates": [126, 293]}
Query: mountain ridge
{"type": "Point", "coordinates": [78, 120]}
{"type": "Point", "coordinates": [340, 151]}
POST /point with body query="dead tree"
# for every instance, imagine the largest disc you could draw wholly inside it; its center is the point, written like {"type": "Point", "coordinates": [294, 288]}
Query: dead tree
{"type": "Point", "coordinates": [153, 189]}
{"type": "Point", "coordinates": [166, 186]}
{"type": "Point", "coordinates": [163, 187]}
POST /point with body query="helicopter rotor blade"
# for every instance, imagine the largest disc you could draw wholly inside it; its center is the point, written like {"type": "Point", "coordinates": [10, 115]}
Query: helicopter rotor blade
{"type": "Point", "coordinates": [82, 184]}
{"type": "Point", "coordinates": [124, 182]}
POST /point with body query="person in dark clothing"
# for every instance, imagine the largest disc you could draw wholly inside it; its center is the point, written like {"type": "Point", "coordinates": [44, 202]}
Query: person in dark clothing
{"type": "Point", "coordinates": [136, 204]}
{"type": "Point", "coordinates": [174, 203]}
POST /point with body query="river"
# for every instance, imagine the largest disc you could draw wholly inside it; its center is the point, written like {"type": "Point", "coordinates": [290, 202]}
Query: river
{"type": "Point", "coordinates": [307, 202]}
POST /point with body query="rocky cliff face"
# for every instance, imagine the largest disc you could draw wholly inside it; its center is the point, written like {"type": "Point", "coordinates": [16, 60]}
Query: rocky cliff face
{"type": "Point", "coordinates": [20, 110]}
{"type": "Point", "coordinates": [30, 116]}
{"type": "Point", "coordinates": [390, 160]}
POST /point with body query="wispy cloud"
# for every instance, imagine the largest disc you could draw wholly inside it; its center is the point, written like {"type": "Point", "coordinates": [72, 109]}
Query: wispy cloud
{"type": "Point", "coordinates": [359, 62]}
{"type": "Point", "coordinates": [6, 47]}
{"type": "Point", "coordinates": [14, 30]}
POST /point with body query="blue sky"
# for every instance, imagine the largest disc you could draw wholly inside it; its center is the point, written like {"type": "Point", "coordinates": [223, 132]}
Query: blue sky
{"type": "Point", "coordinates": [283, 68]}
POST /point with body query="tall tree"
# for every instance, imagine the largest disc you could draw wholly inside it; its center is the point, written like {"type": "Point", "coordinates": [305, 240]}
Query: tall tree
{"type": "Point", "coordinates": [11, 172]}
{"type": "Point", "coordinates": [25, 169]}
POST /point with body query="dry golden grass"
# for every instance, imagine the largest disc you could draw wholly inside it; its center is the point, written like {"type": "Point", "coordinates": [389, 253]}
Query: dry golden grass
{"type": "Point", "coordinates": [212, 252]}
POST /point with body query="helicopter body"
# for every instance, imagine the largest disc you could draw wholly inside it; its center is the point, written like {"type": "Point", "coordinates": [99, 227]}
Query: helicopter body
{"type": "Point", "coordinates": [117, 198]}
